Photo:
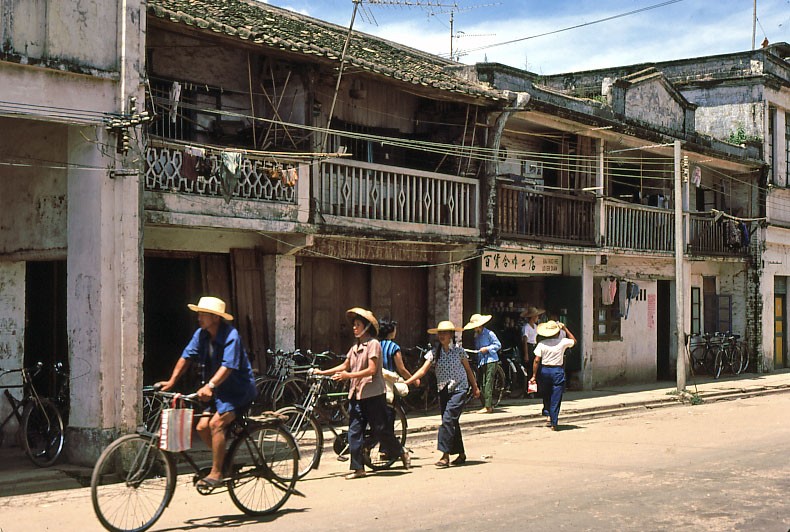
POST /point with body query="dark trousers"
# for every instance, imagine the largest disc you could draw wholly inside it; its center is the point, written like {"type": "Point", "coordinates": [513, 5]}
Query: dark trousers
{"type": "Point", "coordinates": [451, 405]}
{"type": "Point", "coordinates": [552, 382]}
{"type": "Point", "coordinates": [373, 412]}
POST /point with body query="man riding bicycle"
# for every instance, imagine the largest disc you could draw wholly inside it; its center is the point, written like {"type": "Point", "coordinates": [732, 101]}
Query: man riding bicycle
{"type": "Point", "coordinates": [229, 382]}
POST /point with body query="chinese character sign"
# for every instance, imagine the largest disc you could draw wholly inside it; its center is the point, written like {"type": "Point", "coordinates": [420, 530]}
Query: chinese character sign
{"type": "Point", "coordinates": [515, 263]}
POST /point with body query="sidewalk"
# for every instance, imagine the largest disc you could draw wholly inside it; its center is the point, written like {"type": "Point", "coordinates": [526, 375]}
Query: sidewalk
{"type": "Point", "coordinates": [19, 476]}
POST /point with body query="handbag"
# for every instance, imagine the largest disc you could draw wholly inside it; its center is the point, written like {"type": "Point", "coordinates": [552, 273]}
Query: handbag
{"type": "Point", "coordinates": [532, 387]}
{"type": "Point", "coordinates": [175, 432]}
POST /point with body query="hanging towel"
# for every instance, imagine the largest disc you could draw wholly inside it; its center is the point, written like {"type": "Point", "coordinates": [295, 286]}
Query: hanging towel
{"type": "Point", "coordinates": [229, 173]}
{"type": "Point", "coordinates": [696, 176]}
{"type": "Point", "coordinates": [622, 296]}
{"type": "Point", "coordinates": [189, 166]}
{"type": "Point", "coordinates": [608, 291]}
{"type": "Point", "coordinates": [175, 97]}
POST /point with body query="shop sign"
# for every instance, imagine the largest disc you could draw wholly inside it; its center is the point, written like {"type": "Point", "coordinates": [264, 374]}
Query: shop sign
{"type": "Point", "coordinates": [515, 263]}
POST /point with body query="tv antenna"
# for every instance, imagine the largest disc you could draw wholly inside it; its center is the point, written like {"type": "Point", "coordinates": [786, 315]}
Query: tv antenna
{"type": "Point", "coordinates": [436, 7]}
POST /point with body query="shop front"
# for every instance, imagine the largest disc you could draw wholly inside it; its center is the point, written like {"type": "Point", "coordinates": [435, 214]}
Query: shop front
{"type": "Point", "coordinates": [511, 282]}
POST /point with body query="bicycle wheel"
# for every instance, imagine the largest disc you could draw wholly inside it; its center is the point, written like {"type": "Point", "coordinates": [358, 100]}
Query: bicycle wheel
{"type": "Point", "coordinates": [518, 380]}
{"type": "Point", "coordinates": [736, 359]}
{"type": "Point", "coordinates": [718, 364]}
{"type": "Point", "coordinates": [263, 465]}
{"type": "Point", "coordinates": [372, 454]}
{"type": "Point", "coordinates": [263, 401]}
{"type": "Point", "coordinates": [498, 388]}
{"type": "Point", "coordinates": [697, 359]}
{"type": "Point", "coordinates": [308, 435]}
{"type": "Point", "coordinates": [42, 428]}
{"type": "Point", "coordinates": [744, 357]}
{"type": "Point", "coordinates": [289, 392]}
{"type": "Point", "coordinates": [710, 362]}
{"type": "Point", "coordinates": [132, 483]}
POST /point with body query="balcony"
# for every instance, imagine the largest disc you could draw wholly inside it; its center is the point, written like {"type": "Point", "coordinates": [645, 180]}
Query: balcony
{"type": "Point", "coordinates": [531, 214]}
{"type": "Point", "coordinates": [709, 236]}
{"type": "Point", "coordinates": [638, 227]}
{"type": "Point", "coordinates": [395, 198]}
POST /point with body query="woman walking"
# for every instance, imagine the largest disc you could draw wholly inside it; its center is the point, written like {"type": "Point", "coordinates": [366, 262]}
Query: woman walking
{"type": "Point", "coordinates": [366, 392]}
{"type": "Point", "coordinates": [487, 345]}
{"type": "Point", "coordinates": [548, 365]}
{"type": "Point", "coordinates": [454, 376]}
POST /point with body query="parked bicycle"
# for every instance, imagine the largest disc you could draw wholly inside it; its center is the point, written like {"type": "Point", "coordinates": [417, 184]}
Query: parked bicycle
{"type": "Point", "coordinates": [285, 381]}
{"type": "Point", "coordinates": [134, 479]}
{"type": "Point", "coordinates": [702, 357]}
{"type": "Point", "coordinates": [498, 389]}
{"type": "Point", "coordinates": [425, 397]}
{"type": "Point", "coordinates": [306, 425]}
{"type": "Point", "coordinates": [730, 356]}
{"type": "Point", "coordinates": [516, 375]}
{"type": "Point", "coordinates": [41, 428]}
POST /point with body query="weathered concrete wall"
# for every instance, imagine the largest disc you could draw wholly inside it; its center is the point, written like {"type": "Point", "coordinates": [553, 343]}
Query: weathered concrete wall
{"type": "Point", "coordinates": [650, 103]}
{"type": "Point", "coordinates": [33, 203]}
{"type": "Point", "coordinates": [12, 333]}
{"type": "Point", "coordinates": [280, 285]}
{"type": "Point", "coordinates": [446, 295]}
{"type": "Point", "coordinates": [83, 32]}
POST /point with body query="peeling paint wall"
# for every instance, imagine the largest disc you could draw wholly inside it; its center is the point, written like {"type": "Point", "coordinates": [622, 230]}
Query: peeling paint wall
{"type": "Point", "coordinates": [33, 219]}
{"type": "Point", "coordinates": [650, 103]}
{"type": "Point", "coordinates": [12, 332]}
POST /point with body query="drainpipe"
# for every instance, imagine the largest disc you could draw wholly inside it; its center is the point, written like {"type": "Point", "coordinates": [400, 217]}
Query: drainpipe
{"type": "Point", "coordinates": [518, 102]}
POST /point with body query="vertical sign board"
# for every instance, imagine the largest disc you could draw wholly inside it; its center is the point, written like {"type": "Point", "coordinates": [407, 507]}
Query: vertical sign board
{"type": "Point", "coordinates": [517, 263]}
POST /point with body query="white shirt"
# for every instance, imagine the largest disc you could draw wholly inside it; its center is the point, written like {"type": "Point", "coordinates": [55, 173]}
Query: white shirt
{"type": "Point", "coordinates": [531, 332]}
{"type": "Point", "coordinates": [551, 351]}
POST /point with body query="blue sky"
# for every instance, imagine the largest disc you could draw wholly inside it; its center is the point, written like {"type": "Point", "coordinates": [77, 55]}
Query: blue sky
{"type": "Point", "coordinates": [685, 28]}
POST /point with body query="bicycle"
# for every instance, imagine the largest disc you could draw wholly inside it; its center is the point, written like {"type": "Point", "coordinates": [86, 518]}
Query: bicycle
{"type": "Point", "coordinates": [284, 383]}
{"type": "Point", "coordinates": [305, 425]}
{"type": "Point", "coordinates": [498, 387]}
{"type": "Point", "coordinates": [516, 376]}
{"type": "Point", "coordinates": [703, 356]}
{"type": "Point", "coordinates": [730, 355]}
{"type": "Point", "coordinates": [134, 480]}
{"type": "Point", "coordinates": [425, 397]}
{"type": "Point", "coordinates": [40, 423]}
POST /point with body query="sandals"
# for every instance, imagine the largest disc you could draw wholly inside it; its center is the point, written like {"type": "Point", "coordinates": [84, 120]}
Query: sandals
{"type": "Point", "coordinates": [406, 459]}
{"type": "Point", "coordinates": [208, 482]}
{"type": "Point", "coordinates": [460, 460]}
{"type": "Point", "coordinates": [356, 474]}
{"type": "Point", "coordinates": [443, 463]}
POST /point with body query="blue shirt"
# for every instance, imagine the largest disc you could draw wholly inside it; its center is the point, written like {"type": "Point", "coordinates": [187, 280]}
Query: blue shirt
{"type": "Point", "coordinates": [388, 350]}
{"type": "Point", "coordinates": [487, 339]}
{"type": "Point", "coordinates": [238, 389]}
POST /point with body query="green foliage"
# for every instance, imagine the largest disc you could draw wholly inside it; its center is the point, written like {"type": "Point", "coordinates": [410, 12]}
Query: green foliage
{"type": "Point", "coordinates": [739, 136]}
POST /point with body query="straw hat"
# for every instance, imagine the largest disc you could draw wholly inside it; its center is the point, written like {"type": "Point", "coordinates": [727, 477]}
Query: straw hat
{"type": "Point", "coordinates": [477, 320]}
{"type": "Point", "coordinates": [365, 315]}
{"type": "Point", "coordinates": [548, 329]}
{"type": "Point", "coordinates": [532, 311]}
{"type": "Point", "coordinates": [212, 305]}
{"type": "Point", "coordinates": [444, 326]}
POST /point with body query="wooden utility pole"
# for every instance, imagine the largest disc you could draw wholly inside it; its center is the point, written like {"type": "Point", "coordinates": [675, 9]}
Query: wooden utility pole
{"type": "Point", "coordinates": [680, 284]}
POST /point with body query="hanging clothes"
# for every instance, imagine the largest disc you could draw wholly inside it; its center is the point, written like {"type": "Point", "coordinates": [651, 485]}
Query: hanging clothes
{"type": "Point", "coordinates": [744, 235]}
{"type": "Point", "coordinates": [175, 97]}
{"type": "Point", "coordinates": [230, 172]}
{"type": "Point", "coordinates": [189, 166]}
{"type": "Point", "coordinates": [633, 293]}
{"type": "Point", "coordinates": [608, 291]}
{"type": "Point", "coordinates": [622, 297]}
{"type": "Point", "coordinates": [290, 177]}
{"type": "Point", "coordinates": [732, 234]}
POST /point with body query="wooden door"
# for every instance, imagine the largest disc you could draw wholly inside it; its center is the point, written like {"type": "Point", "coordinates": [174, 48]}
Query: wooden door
{"type": "Point", "coordinates": [250, 303]}
{"type": "Point", "coordinates": [401, 294]}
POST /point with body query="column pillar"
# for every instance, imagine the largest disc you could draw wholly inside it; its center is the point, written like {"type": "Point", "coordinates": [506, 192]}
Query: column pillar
{"type": "Point", "coordinates": [12, 333]}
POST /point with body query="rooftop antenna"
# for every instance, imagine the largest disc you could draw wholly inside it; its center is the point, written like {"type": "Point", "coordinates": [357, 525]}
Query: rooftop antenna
{"type": "Point", "coordinates": [435, 7]}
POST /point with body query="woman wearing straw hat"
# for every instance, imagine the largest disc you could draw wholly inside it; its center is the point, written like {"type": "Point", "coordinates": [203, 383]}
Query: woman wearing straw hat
{"type": "Point", "coordinates": [550, 357]}
{"type": "Point", "coordinates": [366, 392]}
{"type": "Point", "coordinates": [453, 378]}
{"type": "Point", "coordinates": [229, 382]}
{"type": "Point", "coordinates": [529, 335]}
{"type": "Point", "coordinates": [487, 345]}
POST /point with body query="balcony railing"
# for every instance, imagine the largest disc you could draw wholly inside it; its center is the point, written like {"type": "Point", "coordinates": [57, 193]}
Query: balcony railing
{"type": "Point", "coordinates": [354, 189]}
{"type": "Point", "coordinates": [548, 216]}
{"type": "Point", "coordinates": [165, 171]}
{"type": "Point", "coordinates": [708, 236]}
{"type": "Point", "coordinates": [638, 227]}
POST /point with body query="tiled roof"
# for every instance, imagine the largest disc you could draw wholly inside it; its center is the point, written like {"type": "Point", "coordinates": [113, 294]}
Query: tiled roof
{"type": "Point", "coordinates": [279, 28]}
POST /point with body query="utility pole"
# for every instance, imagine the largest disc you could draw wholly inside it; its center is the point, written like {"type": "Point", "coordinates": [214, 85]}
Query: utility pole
{"type": "Point", "coordinates": [754, 24]}
{"type": "Point", "coordinates": [680, 283]}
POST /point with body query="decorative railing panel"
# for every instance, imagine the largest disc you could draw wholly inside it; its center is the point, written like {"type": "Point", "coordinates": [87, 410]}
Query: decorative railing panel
{"type": "Point", "coordinates": [376, 192]}
{"type": "Point", "coordinates": [254, 180]}
{"type": "Point", "coordinates": [638, 227]}
{"type": "Point", "coordinates": [541, 215]}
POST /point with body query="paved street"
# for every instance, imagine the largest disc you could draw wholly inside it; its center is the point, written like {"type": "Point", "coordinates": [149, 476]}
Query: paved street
{"type": "Point", "coordinates": [719, 466]}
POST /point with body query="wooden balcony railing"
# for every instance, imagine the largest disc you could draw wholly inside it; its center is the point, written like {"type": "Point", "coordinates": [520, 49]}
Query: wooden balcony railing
{"type": "Point", "coordinates": [354, 189]}
{"type": "Point", "coordinates": [548, 216]}
{"type": "Point", "coordinates": [638, 227]}
{"type": "Point", "coordinates": [708, 236]}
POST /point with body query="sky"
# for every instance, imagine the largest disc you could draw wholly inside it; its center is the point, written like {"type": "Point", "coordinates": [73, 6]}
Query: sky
{"type": "Point", "coordinates": [674, 29]}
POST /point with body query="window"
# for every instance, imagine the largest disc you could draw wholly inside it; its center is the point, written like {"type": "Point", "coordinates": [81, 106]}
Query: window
{"type": "Point", "coordinates": [696, 308]}
{"type": "Point", "coordinates": [724, 313]}
{"type": "Point", "coordinates": [606, 317]}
